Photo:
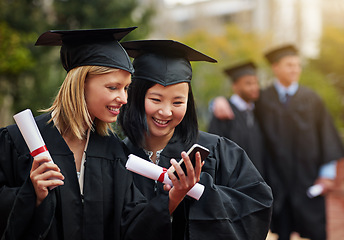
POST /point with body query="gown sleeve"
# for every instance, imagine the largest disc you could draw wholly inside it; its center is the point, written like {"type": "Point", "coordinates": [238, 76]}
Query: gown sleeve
{"type": "Point", "coordinates": [149, 220]}
{"type": "Point", "coordinates": [18, 215]}
{"type": "Point", "coordinates": [7, 193]}
{"type": "Point", "coordinates": [331, 144]}
{"type": "Point", "coordinates": [236, 203]}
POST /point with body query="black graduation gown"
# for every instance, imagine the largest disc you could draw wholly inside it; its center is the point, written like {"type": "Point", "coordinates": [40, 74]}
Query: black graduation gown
{"type": "Point", "coordinates": [236, 203]}
{"type": "Point", "coordinates": [301, 137]}
{"type": "Point", "coordinates": [250, 138]}
{"type": "Point", "coordinates": [110, 198]}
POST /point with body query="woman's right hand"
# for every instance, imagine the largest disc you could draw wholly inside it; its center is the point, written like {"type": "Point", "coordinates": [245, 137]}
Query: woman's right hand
{"type": "Point", "coordinates": [44, 174]}
{"type": "Point", "coordinates": [185, 182]}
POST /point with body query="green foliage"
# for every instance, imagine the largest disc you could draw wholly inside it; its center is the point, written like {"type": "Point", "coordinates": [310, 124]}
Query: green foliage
{"type": "Point", "coordinates": [25, 16]}
{"type": "Point", "coordinates": [329, 72]}
{"type": "Point", "coordinates": [30, 76]}
{"type": "Point", "coordinates": [15, 56]}
{"type": "Point", "coordinates": [331, 57]}
{"type": "Point", "coordinates": [83, 14]}
{"type": "Point", "coordinates": [318, 81]}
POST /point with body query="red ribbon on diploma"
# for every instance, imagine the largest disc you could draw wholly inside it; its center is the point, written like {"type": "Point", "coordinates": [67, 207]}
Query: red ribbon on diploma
{"type": "Point", "coordinates": [162, 175]}
{"type": "Point", "coordinates": [34, 153]}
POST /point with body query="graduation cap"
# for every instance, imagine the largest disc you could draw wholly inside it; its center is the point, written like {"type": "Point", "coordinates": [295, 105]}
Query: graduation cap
{"type": "Point", "coordinates": [165, 62]}
{"type": "Point", "coordinates": [90, 47]}
{"type": "Point", "coordinates": [239, 70]}
{"type": "Point", "coordinates": [276, 54]}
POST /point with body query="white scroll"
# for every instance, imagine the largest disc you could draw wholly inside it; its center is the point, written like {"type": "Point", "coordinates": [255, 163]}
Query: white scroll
{"type": "Point", "coordinates": [33, 138]}
{"type": "Point", "coordinates": [28, 128]}
{"type": "Point", "coordinates": [315, 190]}
{"type": "Point", "coordinates": [155, 172]}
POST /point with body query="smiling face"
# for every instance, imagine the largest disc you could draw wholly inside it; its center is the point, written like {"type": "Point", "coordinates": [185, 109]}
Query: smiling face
{"type": "Point", "coordinates": [106, 93]}
{"type": "Point", "coordinates": [165, 108]}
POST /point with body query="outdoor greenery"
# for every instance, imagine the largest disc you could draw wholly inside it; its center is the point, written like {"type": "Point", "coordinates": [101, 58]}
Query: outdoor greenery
{"type": "Point", "coordinates": [325, 75]}
{"type": "Point", "coordinates": [30, 76]}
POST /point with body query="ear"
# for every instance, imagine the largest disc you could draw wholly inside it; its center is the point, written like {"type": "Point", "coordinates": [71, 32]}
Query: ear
{"type": "Point", "coordinates": [274, 66]}
{"type": "Point", "coordinates": [235, 86]}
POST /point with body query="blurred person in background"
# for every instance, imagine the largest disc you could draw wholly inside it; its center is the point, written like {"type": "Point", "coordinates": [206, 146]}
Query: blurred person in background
{"type": "Point", "coordinates": [303, 146]}
{"type": "Point", "coordinates": [243, 128]}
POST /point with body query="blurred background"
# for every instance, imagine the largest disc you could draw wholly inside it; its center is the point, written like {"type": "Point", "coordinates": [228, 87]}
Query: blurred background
{"type": "Point", "coordinates": [228, 30]}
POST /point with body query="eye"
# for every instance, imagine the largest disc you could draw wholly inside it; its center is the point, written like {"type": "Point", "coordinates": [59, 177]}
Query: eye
{"type": "Point", "coordinates": [178, 103]}
{"type": "Point", "coordinates": [155, 99]}
{"type": "Point", "coordinates": [112, 88]}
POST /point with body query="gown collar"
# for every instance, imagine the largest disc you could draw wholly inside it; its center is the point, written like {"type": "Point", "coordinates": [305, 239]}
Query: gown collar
{"type": "Point", "coordinates": [240, 103]}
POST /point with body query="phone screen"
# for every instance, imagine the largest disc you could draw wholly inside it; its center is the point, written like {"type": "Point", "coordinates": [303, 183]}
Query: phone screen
{"type": "Point", "coordinates": [192, 155]}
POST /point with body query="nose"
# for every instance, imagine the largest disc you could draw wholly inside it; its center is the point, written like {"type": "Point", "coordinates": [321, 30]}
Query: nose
{"type": "Point", "coordinates": [122, 97]}
{"type": "Point", "coordinates": [165, 111]}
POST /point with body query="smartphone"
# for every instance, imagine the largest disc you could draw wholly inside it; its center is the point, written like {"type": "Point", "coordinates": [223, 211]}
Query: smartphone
{"type": "Point", "coordinates": [192, 155]}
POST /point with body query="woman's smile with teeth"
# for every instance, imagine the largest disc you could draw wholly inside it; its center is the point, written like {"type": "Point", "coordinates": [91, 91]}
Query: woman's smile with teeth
{"type": "Point", "coordinates": [162, 122]}
{"type": "Point", "coordinates": [113, 108]}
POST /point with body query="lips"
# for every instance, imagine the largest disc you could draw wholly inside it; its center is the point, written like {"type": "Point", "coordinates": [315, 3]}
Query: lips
{"type": "Point", "coordinates": [114, 110]}
{"type": "Point", "coordinates": [161, 122]}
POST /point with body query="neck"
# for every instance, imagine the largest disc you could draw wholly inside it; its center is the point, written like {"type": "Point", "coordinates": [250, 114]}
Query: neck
{"type": "Point", "coordinates": [155, 144]}
{"type": "Point", "coordinates": [73, 138]}
{"type": "Point", "coordinates": [285, 84]}
{"type": "Point", "coordinates": [249, 102]}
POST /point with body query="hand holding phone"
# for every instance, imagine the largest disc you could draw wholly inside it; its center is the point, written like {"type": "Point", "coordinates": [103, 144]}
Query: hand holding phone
{"type": "Point", "coordinates": [192, 155]}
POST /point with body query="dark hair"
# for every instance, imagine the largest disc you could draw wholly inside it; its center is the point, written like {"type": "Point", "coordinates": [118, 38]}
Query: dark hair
{"type": "Point", "coordinates": [132, 117]}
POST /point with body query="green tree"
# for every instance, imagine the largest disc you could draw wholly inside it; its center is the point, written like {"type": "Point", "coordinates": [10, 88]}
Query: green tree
{"type": "Point", "coordinates": [318, 81]}
{"type": "Point", "coordinates": [331, 56]}
{"type": "Point", "coordinates": [330, 72]}
{"type": "Point", "coordinates": [18, 22]}
{"type": "Point", "coordinates": [103, 14]}
{"type": "Point", "coordinates": [32, 75]}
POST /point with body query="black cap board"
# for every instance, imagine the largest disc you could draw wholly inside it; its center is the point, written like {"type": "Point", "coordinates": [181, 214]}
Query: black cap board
{"type": "Point", "coordinates": [276, 54]}
{"type": "Point", "coordinates": [89, 47]}
{"type": "Point", "coordinates": [239, 70]}
{"type": "Point", "coordinates": [165, 62]}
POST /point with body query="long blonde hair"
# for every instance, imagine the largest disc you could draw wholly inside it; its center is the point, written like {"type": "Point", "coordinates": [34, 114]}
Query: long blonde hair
{"type": "Point", "coordinates": [70, 112]}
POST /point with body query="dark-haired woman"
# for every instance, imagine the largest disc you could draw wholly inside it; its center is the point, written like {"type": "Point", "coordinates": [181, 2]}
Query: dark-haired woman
{"type": "Point", "coordinates": [160, 122]}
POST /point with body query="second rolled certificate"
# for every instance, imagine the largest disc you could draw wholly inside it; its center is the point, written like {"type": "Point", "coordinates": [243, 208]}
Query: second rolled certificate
{"type": "Point", "coordinates": [155, 172]}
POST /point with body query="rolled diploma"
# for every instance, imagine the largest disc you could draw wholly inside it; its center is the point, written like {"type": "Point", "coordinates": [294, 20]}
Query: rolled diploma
{"type": "Point", "coordinates": [33, 138]}
{"type": "Point", "coordinates": [155, 172]}
{"type": "Point", "coordinates": [31, 134]}
{"type": "Point", "coordinates": [315, 190]}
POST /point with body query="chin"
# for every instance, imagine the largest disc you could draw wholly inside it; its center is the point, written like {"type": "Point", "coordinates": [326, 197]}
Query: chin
{"type": "Point", "coordinates": [109, 120]}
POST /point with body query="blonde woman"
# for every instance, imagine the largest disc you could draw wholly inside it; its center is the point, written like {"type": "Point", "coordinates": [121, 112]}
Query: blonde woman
{"type": "Point", "coordinates": [94, 196]}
